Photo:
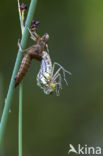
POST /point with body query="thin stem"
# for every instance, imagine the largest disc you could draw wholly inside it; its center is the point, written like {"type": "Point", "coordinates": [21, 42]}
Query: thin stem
{"type": "Point", "coordinates": [1, 106]}
{"type": "Point", "coordinates": [1, 92]}
{"type": "Point", "coordinates": [18, 60]}
{"type": "Point", "coordinates": [20, 120]}
{"type": "Point", "coordinates": [20, 95]}
{"type": "Point", "coordinates": [21, 22]}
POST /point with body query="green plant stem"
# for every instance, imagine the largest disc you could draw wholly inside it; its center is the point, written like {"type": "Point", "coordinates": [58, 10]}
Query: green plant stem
{"type": "Point", "coordinates": [21, 22]}
{"type": "Point", "coordinates": [20, 97]}
{"type": "Point", "coordinates": [18, 60]}
{"type": "Point", "coordinates": [20, 120]}
{"type": "Point", "coordinates": [1, 92]}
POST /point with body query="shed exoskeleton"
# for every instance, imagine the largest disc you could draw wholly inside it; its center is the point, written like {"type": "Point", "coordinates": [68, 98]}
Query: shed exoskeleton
{"type": "Point", "coordinates": [33, 52]}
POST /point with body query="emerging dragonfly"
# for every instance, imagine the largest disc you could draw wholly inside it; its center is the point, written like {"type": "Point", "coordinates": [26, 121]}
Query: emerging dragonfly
{"type": "Point", "coordinates": [46, 79]}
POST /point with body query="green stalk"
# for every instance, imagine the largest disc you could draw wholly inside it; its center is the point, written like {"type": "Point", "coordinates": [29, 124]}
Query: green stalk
{"type": "Point", "coordinates": [1, 92]}
{"type": "Point", "coordinates": [12, 82]}
{"type": "Point", "coordinates": [20, 96]}
{"type": "Point", "coordinates": [1, 106]}
{"type": "Point", "coordinates": [20, 120]}
{"type": "Point", "coordinates": [21, 22]}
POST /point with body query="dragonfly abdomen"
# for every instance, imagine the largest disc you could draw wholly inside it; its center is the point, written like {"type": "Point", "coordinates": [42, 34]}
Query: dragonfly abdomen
{"type": "Point", "coordinates": [44, 75]}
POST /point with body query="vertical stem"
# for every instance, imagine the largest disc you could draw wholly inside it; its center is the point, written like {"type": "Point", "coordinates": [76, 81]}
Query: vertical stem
{"type": "Point", "coordinates": [12, 82]}
{"type": "Point", "coordinates": [21, 23]}
{"type": "Point", "coordinates": [1, 92]}
{"type": "Point", "coordinates": [20, 120]}
{"type": "Point", "coordinates": [20, 96]}
{"type": "Point", "coordinates": [1, 106]}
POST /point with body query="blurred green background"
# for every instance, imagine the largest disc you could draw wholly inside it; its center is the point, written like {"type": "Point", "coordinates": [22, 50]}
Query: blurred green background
{"type": "Point", "coordinates": [51, 123]}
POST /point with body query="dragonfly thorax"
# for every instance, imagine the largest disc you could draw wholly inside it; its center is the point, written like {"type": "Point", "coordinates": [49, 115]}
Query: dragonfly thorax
{"type": "Point", "coordinates": [50, 88]}
{"type": "Point", "coordinates": [46, 83]}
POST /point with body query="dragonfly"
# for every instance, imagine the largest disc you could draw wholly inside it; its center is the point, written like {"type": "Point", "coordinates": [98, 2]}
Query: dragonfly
{"type": "Point", "coordinates": [48, 80]}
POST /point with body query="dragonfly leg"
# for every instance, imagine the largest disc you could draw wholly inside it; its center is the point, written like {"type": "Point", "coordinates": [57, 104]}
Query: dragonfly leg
{"type": "Point", "coordinates": [59, 80]}
{"type": "Point", "coordinates": [54, 64]}
{"type": "Point", "coordinates": [23, 51]}
{"type": "Point", "coordinates": [61, 68]}
{"type": "Point", "coordinates": [37, 36]}
{"type": "Point", "coordinates": [58, 84]}
{"type": "Point", "coordinates": [53, 69]}
{"type": "Point", "coordinates": [20, 46]}
{"type": "Point", "coordinates": [32, 35]}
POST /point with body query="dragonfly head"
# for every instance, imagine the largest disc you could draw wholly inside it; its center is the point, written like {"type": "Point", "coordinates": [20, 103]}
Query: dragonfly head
{"type": "Point", "coordinates": [50, 88]}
